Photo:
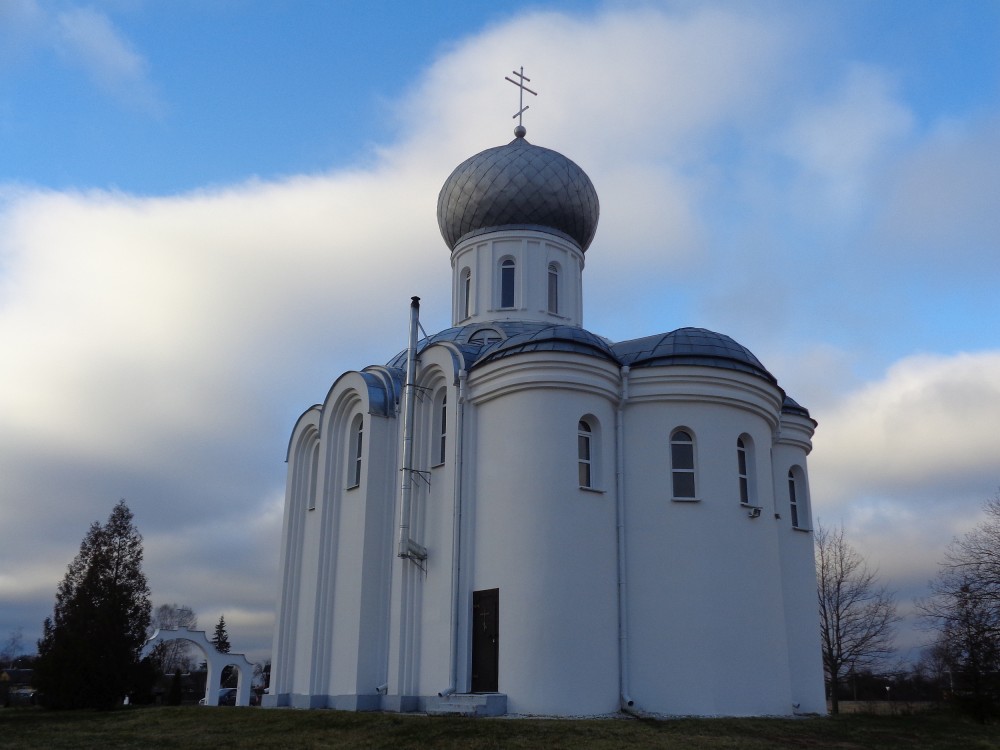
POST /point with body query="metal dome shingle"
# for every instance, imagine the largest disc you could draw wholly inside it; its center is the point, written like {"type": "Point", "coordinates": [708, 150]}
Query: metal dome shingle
{"type": "Point", "coordinates": [518, 185]}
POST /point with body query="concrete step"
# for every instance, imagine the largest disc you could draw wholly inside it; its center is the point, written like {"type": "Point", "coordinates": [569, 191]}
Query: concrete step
{"type": "Point", "coordinates": [468, 704]}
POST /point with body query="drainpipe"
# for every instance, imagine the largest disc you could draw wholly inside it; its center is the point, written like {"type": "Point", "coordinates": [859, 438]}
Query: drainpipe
{"type": "Point", "coordinates": [456, 534]}
{"type": "Point", "coordinates": [625, 700]}
{"type": "Point", "coordinates": [406, 547]}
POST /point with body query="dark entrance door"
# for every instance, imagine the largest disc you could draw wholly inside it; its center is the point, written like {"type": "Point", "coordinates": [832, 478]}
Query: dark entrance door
{"type": "Point", "coordinates": [485, 640]}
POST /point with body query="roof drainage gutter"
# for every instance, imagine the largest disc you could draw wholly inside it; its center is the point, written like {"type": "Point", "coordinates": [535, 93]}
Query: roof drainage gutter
{"type": "Point", "coordinates": [625, 700]}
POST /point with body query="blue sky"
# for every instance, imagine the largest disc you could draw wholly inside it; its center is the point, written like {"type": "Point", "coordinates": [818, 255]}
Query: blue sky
{"type": "Point", "coordinates": [209, 210]}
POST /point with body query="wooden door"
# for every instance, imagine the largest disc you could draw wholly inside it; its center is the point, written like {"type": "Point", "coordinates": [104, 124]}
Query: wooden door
{"type": "Point", "coordinates": [485, 641]}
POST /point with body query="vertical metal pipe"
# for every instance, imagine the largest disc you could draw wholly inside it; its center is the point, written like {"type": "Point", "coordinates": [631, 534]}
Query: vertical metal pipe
{"type": "Point", "coordinates": [409, 401]}
{"type": "Point", "coordinates": [626, 701]}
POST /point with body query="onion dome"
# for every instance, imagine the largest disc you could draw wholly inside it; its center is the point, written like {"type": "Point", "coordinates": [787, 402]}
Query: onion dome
{"type": "Point", "coordinates": [518, 186]}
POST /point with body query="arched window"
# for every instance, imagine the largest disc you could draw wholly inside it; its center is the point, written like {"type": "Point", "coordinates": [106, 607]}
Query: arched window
{"type": "Point", "coordinates": [507, 283]}
{"type": "Point", "coordinates": [798, 503]}
{"type": "Point", "coordinates": [485, 336]}
{"type": "Point", "coordinates": [466, 293]}
{"type": "Point", "coordinates": [356, 444]}
{"type": "Point", "coordinates": [584, 452]}
{"type": "Point", "coordinates": [440, 428]}
{"type": "Point", "coordinates": [553, 288]}
{"type": "Point", "coordinates": [682, 465]}
{"type": "Point", "coordinates": [313, 472]}
{"type": "Point", "coordinates": [745, 470]}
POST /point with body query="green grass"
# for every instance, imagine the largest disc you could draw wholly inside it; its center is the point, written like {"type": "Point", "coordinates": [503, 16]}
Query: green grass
{"type": "Point", "coordinates": [216, 728]}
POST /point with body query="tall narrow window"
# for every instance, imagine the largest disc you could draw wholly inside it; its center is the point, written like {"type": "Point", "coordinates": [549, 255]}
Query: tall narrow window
{"type": "Point", "coordinates": [584, 446]}
{"type": "Point", "coordinates": [507, 283]}
{"type": "Point", "coordinates": [313, 471]}
{"type": "Point", "coordinates": [553, 288]}
{"type": "Point", "coordinates": [793, 498]}
{"type": "Point", "coordinates": [682, 465]}
{"type": "Point", "coordinates": [440, 427]}
{"type": "Point", "coordinates": [741, 460]}
{"type": "Point", "coordinates": [357, 442]}
{"type": "Point", "coordinates": [466, 293]}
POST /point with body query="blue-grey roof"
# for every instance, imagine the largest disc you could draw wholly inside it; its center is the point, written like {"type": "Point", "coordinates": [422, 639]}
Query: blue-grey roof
{"type": "Point", "coordinates": [518, 186]}
{"type": "Point", "coordinates": [550, 338]}
{"type": "Point", "coordinates": [480, 343]}
{"type": "Point", "coordinates": [791, 406]}
{"type": "Point", "coordinates": [690, 346]}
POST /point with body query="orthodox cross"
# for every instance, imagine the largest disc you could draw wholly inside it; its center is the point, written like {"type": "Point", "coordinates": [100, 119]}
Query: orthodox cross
{"type": "Point", "coordinates": [523, 88]}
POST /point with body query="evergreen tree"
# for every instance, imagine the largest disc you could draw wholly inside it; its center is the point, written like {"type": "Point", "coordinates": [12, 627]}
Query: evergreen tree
{"type": "Point", "coordinates": [220, 639]}
{"type": "Point", "coordinates": [89, 650]}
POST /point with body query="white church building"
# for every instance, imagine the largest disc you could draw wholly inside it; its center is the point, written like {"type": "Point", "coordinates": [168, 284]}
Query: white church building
{"type": "Point", "coordinates": [516, 515]}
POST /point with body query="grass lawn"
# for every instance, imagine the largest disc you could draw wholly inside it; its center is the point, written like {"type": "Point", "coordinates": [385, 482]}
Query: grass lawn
{"type": "Point", "coordinates": [215, 728]}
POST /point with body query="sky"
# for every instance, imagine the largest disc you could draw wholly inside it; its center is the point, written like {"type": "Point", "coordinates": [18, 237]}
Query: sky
{"type": "Point", "coordinates": [210, 209]}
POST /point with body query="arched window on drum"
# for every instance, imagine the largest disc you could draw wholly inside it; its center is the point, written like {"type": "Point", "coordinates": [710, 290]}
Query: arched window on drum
{"type": "Point", "coordinates": [682, 465]}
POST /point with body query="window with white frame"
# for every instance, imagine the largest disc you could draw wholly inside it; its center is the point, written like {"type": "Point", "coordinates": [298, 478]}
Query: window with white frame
{"type": "Point", "coordinates": [585, 455]}
{"type": "Point", "coordinates": [507, 269]}
{"type": "Point", "coordinates": [798, 502]}
{"type": "Point", "coordinates": [682, 465]}
{"type": "Point", "coordinates": [313, 473]}
{"type": "Point", "coordinates": [485, 336]}
{"type": "Point", "coordinates": [745, 470]}
{"type": "Point", "coordinates": [356, 446]}
{"type": "Point", "coordinates": [553, 290]}
{"type": "Point", "coordinates": [440, 417]}
{"type": "Point", "coordinates": [465, 293]}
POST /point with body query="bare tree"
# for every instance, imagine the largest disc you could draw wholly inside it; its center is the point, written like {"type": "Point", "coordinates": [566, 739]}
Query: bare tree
{"type": "Point", "coordinates": [964, 607]}
{"type": "Point", "coordinates": [12, 648]}
{"type": "Point", "coordinates": [857, 614]}
{"type": "Point", "coordinates": [976, 555]}
{"type": "Point", "coordinates": [174, 655]}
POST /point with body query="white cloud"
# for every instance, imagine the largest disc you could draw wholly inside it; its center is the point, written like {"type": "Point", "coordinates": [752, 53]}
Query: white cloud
{"type": "Point", "coordinates": [931, 417]}
{"type": "Point", "coordinates": [21, 22]}
{"type": "Point", "coordinates": [942, 200]}
{"type": "Point", "coordinates": [165, 346]}
{"type": "Point", "coordinates": [839, 139]}
{"type": "Point", "coordinates": [906, 462]}
{"type": "Point", "coordinates": [90, 39]}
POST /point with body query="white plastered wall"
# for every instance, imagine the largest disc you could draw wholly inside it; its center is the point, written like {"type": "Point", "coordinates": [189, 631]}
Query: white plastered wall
{"type": "Point", "coordinates": [798, 567]}
{"type": "Point", "coordinates": [706, 606]}
{"type": "Point", "coordinates": [547, 545]}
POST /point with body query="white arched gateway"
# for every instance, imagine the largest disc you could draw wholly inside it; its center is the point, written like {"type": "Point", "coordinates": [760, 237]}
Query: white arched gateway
{"type": "Point", "coordinates": [215, 662]}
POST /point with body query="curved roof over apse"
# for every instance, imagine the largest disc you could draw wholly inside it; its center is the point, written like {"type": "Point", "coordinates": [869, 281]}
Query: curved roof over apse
{"type": "Point", "coordinates": [480, 342]}
{"type": "Point", "coordinates": [551, 338]}
{"type": "Point", "coordinates": [521, 186]}
{"type": "Point", "coordinates": [690, 346]}
{"type": "Point", "coordinates": [791, 406]}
